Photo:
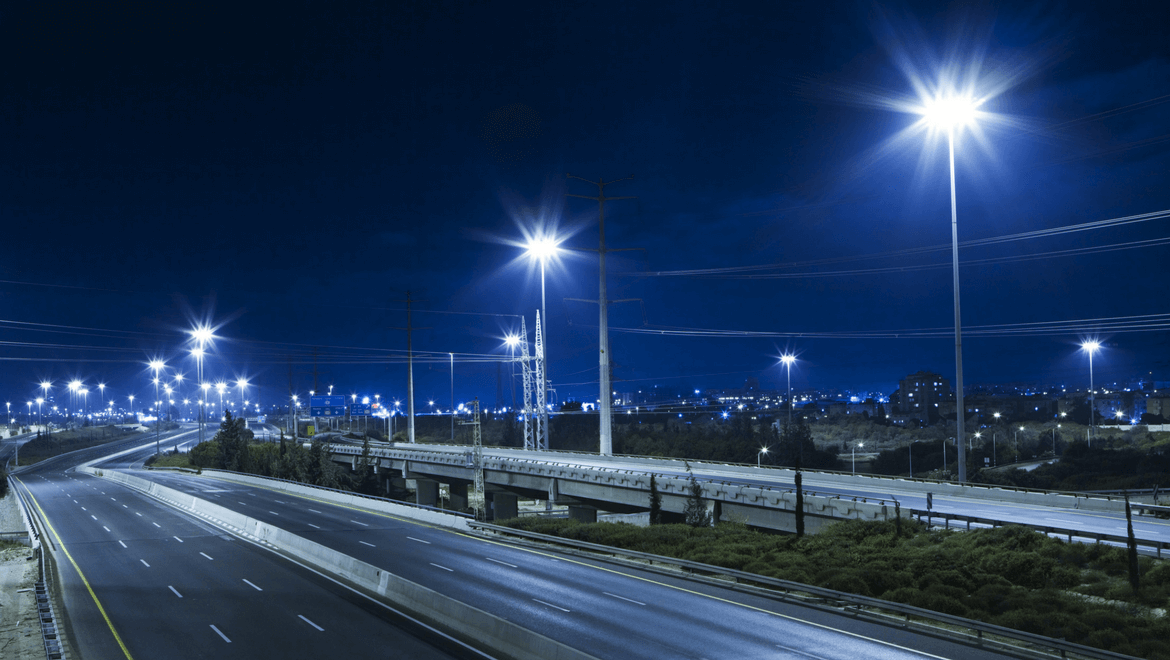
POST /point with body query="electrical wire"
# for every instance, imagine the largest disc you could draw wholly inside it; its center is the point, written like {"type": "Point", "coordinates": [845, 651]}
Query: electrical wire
{"type": "Point", "coordinates": [1116, 324]}
{"type": "Point", "coordinates": [995, 240]}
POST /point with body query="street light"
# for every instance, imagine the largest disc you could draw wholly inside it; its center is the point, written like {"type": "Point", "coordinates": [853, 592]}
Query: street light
{"type": "Point", "coordinates": [1091, 347]}
{"type": "Point", "coordinates": [202, 336]}
{"type": "Point", "coordinates": [763, 450]}
{"type": "Point", "coordinates": [242, 384]}
{"type": "Point", "coordinates": [157, 366]}
{"type": "Point", "coordinates": [948, 112]}
{"type": "Point", "coordinates": [74, 387]}
{"type": "Point", "coordinates": [859, 444]}
{"type": "Point", "coordinates": [788, 359]}
{"type": "Point", "coordinates": [542, 249]}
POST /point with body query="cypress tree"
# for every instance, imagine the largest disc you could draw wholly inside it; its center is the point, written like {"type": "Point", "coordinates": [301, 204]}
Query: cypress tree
{"type": "Point", "coordinates": [696, 510]}
{"type": "Point", "coordinates": [1134, 578]}
{"type": "Point", "coordinates": [655, 503]}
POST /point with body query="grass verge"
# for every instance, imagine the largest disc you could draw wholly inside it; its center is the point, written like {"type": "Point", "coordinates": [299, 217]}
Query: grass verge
{"type": "Point", "coordinates": [1009, 576]}
{"type": "Point", "coordinates": [61, 442]}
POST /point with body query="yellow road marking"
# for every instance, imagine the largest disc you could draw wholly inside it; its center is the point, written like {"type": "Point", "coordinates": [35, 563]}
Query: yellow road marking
{"type": "Point", "coordinates": [600, 568]}
{"type": "Point", "coordinates": [77, 568]}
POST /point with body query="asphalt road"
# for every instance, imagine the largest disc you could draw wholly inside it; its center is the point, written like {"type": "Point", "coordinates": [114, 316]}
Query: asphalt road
{"type": "Point", "coordinates": [1145, 527]}
{"type": "Point", "coordinates": [605, 609]}
{"type": "Point", "coordinates": [170, 585]}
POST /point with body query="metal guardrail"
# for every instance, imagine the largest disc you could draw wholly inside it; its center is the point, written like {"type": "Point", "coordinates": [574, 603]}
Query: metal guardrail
{"type": "Point", "coordinates": [929, 516]}
{"type": "Point", "coordinates": [791, 589]}
{"type": "Point", "coordinates": [50, 635]}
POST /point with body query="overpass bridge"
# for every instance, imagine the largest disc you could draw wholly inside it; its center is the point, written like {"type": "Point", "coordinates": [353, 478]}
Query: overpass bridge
{"type": "Point", "coordinates": [760, 497]}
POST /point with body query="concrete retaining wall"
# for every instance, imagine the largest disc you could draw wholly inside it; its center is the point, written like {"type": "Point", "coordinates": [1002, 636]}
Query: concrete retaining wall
{"type": "Point", "coordinates": [470, 624]}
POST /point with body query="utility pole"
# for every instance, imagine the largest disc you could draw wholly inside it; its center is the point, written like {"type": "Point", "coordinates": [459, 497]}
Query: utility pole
{"type": "Point", "coordinates": [606, 391]}
{"type": "Point", "coordinates": [409, 372]}
{"type": "Point", "coordinates": [541, 436]}
{"type": "Point", "coordinates": [292, 412]}
{"type": "Point", "coordinates": [452, 356]}
{"type": "Point", "coordinates": [478, 499]}
{"type": "Point", "coordinates": [410, 369]}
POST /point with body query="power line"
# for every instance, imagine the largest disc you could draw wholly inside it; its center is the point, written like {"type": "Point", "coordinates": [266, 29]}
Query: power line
{"type": "Point", "coordinates": [982, 242]}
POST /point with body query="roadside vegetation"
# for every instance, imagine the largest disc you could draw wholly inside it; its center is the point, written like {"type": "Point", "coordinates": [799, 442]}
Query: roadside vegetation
{"type": "Point", "coordinates": [1096, 468]}
{"type": "Point", "coordinates": [1008, 576]}
{"type": "Point", "coordinates": [234, 448]}
{"type": "Point", "coordinates": [47, 445]}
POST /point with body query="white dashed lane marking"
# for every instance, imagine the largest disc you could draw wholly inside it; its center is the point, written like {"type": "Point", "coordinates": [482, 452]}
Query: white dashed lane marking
{"type": "Point", "coordinates": [302, 618]}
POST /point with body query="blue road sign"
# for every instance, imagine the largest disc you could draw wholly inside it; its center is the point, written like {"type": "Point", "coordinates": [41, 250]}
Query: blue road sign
{"type": "Point", "coordinates": [327, 406]}
{"type": "Point", "coordinates": [359, 409]}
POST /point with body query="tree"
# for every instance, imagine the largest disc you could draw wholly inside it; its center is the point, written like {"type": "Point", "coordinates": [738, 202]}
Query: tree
{"type": "Point", "coordinates": [233, 444]}
{"type": "Point", "coordinates": [367, 480]}
{"type": "Point", "coordinates": [1134, 578]}
{"type": "Point", "coordinates": [655, 502]}
{"type": "Point", "coordinates": [696, 514]}
{"type": "Point", "coordinates": [799, 503]}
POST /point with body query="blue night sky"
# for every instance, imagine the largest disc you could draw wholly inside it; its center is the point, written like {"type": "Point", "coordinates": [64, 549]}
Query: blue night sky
{"type": "Point", "coordinates": [288, 174]}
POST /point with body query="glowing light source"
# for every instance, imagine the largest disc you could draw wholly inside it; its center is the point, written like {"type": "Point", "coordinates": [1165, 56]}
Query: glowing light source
{"type": "Point", "coordinates": [542, 248]}
{"type": "Point", "coordinates": [951, 111]}
{"type": "Point", "coordinates": [202, 335]}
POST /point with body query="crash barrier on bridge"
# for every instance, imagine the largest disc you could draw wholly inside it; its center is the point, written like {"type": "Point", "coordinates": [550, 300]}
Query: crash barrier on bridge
{"type": "Point", "coordinates": [818, 480]}
{"type": "Point", "coordinates": [43, 591]}
{"type": "Point", "coordinates": [932, 518]}
{"type": "Point", "coordinates": [980, 634]}
{"type": "Point", "coordinates": [471, 625]}
{"type": "Point", "coordinates": [426, 514]}
{"type": "Point", "coordinates": [759, 506]}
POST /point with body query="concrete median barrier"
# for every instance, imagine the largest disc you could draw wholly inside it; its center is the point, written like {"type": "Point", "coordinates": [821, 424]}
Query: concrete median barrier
{"type": "Point", "coordinates": [374, 504]}
{"type": "Point", "coordinates": [468, 624]}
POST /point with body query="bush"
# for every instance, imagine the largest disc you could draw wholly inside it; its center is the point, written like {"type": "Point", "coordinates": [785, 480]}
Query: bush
{"type": "Point", "coordinates": [205, 454]}
{"type": "Point", "coordinates": [1009, 576]}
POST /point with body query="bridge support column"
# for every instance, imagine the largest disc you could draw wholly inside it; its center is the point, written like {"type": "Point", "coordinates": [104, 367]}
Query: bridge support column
{"type": "Point", "coordinates": [427, 492]}
{"type": "Point", "coordinates": [714, 510]}
{"type": "Point", "coordinates": [458, 496]}
{"type": "Point", "coordinates": [583, 513]}
{"type": "Point", "coordinates": [504, 506]}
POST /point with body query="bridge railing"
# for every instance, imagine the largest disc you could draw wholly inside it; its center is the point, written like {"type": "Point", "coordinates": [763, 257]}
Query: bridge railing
{"type": "Point", "coordinates": [1104, 496]}
{"type": "Point", "coordinates": [981, 634]}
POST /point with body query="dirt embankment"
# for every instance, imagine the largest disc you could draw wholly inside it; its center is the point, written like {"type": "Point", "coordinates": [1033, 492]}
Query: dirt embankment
{"type": "Point", "coordinates": [20, 632]}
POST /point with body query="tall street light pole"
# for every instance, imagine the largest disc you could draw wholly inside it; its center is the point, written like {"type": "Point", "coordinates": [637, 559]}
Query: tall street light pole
{"type": "Point", "coordinates": [156, 365]}
{"type": "Point", "coordinates": [202, 336]}
{"type": "Point", "coordinates": [1090, 347]}
{"type": "Point", "coordinates": [951, 112]}
{"type": "Point", "coordinates": [788, 359]}
{"type": "Point", "coordinates": [543, 249]}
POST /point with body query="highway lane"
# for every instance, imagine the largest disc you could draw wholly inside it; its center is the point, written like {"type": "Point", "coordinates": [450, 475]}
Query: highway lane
{"type": "Point", "coordinates": [170, 585]}
{"type": "Point", "coordinates": [1145, 527]}
{"type": "Point", "coordinates": [605, 609]}
{"type": "Point", "coordinates": [8, 446]}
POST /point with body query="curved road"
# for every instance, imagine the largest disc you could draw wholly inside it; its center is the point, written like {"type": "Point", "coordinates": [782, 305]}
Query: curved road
{"type": "Point", "coordinates": [607, 610]}
{"type": "Point", "coordinates": [140, 579]}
